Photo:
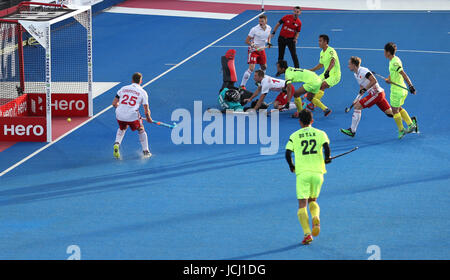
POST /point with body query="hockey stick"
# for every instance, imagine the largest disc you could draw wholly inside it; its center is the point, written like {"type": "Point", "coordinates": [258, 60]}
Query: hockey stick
{"type": "Point", "coordinates": [269, 45]}
{"type": "Point", "coordinates": [347, 109]}
{"type": "Point", "coordinates": [164, 124]}
{"type": "Point", "coordinates": [352, 150]}
{"type": "Point", "coordinates": [390, 82]}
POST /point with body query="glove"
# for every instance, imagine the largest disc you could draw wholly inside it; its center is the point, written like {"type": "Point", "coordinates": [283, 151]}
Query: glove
{"type": "Point", "coordinates": [362, 91]}
{"type": "Point", "coordinates": [326, 74]}
{"type": "Point", "coordinates": [286, 106]}
{"type": "Point", "coordinates": [412, 89]}
{"type": "Point", "coordinates": [327, 160]}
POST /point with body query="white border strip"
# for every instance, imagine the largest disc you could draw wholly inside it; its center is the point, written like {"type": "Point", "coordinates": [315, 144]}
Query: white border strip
{"type": "Point", "coordinates": [110, 106]}
{"type": "Point", "coordinates": [171, 13]}
{"type": "Point", "coordinates": [354, 49]}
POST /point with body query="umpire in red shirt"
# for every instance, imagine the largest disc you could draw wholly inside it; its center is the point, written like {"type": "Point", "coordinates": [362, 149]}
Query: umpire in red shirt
{"type": "Point", "coordinates": [290, 29]}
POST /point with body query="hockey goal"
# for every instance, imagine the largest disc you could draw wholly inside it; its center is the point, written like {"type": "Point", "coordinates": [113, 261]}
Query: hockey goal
{"type": "Point", "coordinates": [45, 68]}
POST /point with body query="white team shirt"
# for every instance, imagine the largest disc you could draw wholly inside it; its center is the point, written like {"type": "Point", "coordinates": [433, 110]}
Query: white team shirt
{"type": "Point", "coordinates": [131, 97]}
{"type": "Point", "coordinates": [259, 35]}
{"type": "Point", "coordinates": [360, 76]}
{"type": "Point", "coordinates": [271, 84]}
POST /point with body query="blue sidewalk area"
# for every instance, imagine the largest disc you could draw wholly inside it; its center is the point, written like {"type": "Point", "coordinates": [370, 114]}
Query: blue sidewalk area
{"type": "Point", "coordinates": [203, 201]}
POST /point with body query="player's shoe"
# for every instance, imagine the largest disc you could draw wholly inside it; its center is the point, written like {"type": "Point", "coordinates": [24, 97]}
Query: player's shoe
{"type": "Point", "coordinates": [326, 112]}
{"type": "Point", "coordinates": [147, 154]}
{"type": "Point", "coordinates": [413, 126]}
{"type": "Point", "coordinates": [295, 115]}
{"type": "Point", "coordinates": [308, 239]}
{"type": "Point", "coordinates": [316, 226]}
{"type": "Point", "coordinates": [310, 106]}
{"type": "Point", "coordinates": [402, 133]}
{"type": "Point", "coordinates": [116, 150]}
{"type": "Point", "coordinates": [348, 132]}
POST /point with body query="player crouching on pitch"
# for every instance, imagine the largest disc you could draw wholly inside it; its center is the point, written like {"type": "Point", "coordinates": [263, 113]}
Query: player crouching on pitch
{"type": "Point", "coordinates": [127, 102]}
{"type": "Point", "coordinates": [307, 143]}
{"type": "Point", "coordinates": [367, 83]}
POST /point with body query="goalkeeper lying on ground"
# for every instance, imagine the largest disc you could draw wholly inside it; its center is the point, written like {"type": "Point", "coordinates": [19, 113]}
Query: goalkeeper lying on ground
{"type": "Point", "coordinates": [233, 99]}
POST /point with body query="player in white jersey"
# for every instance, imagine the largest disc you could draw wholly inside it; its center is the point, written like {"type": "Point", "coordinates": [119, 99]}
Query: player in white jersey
{"type": "Point", "coordinates": [367, 83]}
{"type": "Point", "coordinates": [127, 102]}
{"type": "Point", "coordinates": [258, 37]}
{"type": "Point", "coordinates": [266, 84]}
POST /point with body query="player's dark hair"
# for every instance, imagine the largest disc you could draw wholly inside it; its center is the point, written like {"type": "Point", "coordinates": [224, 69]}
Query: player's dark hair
{"type": "Point", "coordinates": [390, 48]}
{"type": "Point", "coordinates": [305, 117]}
{"type": "Point", "coordinates": [298, 8]}
{"type": "Point", "coordinates": [355, 61]}
{"type": "Point", "coordinates": [260, 73]}
{"type": "Point", "coordinates": [263, 16]}
{"type": "Point", "coordinates": [283, 64]}
{"type": "Point", "coordinates": [136, 77]}
{"type": "Point", "coordinates": [325, 37]}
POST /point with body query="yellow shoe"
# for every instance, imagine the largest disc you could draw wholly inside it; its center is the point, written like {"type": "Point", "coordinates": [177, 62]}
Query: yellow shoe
{"type": "Point", "coordinates": [116, 150]}
{"type": "Point", "coordinates": [316, 226]}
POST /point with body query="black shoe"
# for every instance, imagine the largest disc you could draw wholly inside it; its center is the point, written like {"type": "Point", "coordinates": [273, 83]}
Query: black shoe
{"type": "Point", "coordinates": [326, 112]}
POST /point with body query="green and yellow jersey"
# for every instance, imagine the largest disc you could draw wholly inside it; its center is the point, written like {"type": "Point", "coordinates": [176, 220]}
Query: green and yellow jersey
{"type": "Point", "coordinates": [325, 59]}
{"type": "Point", "coordinates": [310, 79]}
{"type": "Point", "coordinates": [306, 143]}
{"type": "Point", "coordinates": [395, 67]}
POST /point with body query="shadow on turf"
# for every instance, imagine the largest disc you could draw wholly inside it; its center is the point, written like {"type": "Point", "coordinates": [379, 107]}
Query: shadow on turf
{"type": "Point", "coordinates": [274, 251]}
{"type": "Point", "coordinates": [142, 178]}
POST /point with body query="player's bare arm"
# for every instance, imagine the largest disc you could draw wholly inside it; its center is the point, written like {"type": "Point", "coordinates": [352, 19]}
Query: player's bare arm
{"type": "Point", "coordinates": [115, 102]}
{"type": "Point", "coordinates": [317, 67]}
{"type": "Point", "coordinates": [255, 94]}
{"type": "Point", "coordinates": [147, 114]}
{"type": "Point", "coordinates": [288, 156]}
{"type": "Point", "coordinates": [260, 101]}
{"type": "Point", "coordinates": [274, 30]}
{"type": "Point", "coordinates": [408, 81]}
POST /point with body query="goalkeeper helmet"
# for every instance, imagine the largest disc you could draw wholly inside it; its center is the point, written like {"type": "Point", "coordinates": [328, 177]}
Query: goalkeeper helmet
{"type": "Point", "coordinates": [232, 95]}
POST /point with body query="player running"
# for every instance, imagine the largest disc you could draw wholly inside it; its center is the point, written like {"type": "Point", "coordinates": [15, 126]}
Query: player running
{"type": "Point", "coordinates": [398, 95]}
{"type": "Point", "coordinates": [266, 84]}
{"type": "Point", "coordinates": [329, 60]}
{"type": "Point", "coordinates": [367, 83]}
{"type": "Point", "coordinates": [127, 102]}
{"type": "Point", "coordinates": [307, 143]}
{"type": "Point", "coordinates": [311, 80]}
{"type": "Point", "coordinates": [258, 37]}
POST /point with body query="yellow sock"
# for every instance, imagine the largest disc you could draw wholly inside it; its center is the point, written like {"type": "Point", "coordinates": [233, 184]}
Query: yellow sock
{"type": "Point", "coordinates": [302, 214]}
{"type": "Point", "coordinates": [298, 103]}
{"type": "Point", "coordinates": [314, 209]}
{"type": "Point", "coordinates": [316, 100]}
{"type": "Point", "coordinates": [405, 116]}
{"type": "Point", "coordinates": [319, 104]}
{"type": "Point", "coordinates": [398, 121]}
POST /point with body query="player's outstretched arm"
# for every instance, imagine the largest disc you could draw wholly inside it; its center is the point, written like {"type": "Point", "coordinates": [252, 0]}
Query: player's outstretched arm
{"type": "Point", "coordinates": [288, 156]}
{"type": "Point", "coordinates": [317, 67]}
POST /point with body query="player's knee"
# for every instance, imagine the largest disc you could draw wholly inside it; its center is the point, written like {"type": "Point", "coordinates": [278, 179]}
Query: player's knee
{"type": "Point", "coordinates": [324, 86]}
{"type": "Point", "coordinates": [358, 106]}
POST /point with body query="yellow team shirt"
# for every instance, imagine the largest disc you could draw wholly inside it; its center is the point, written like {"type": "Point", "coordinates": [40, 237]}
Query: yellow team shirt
{"type": "Point", "coordinates": [325, 60]}
{"type": "Point", "coordinates": [306, 143]}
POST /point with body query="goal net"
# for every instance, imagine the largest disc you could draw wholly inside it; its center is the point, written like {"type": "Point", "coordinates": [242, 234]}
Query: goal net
{"type": "Point", "coordinates": [45, 68]}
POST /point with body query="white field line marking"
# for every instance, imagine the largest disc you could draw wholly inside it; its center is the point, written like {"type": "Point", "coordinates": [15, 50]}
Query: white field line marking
{"type": "Point", "coordinates": [110, 106]}
{"type": "Point", "coordinates": [354, 49]}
